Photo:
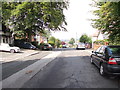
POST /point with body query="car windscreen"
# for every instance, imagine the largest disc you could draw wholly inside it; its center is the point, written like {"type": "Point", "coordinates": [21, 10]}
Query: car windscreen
{"type": "Point", "coordinates": [81, 44]}
{"type": "Point", "coordinates": [28, 44]}
{"type": "Point", "coordinates": [114, 50]}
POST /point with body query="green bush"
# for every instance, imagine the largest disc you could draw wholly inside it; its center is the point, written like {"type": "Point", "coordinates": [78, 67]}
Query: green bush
{"type": "Point", "coordinates": [60, 46]}
{"type": "Point", "coordinates": [102, 42]}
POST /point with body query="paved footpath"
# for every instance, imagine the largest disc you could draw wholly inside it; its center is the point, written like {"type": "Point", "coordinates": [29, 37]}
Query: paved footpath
{"type": "Point", "coordinates": [8, 57]}
{"type": "Point", "coordinates": [18, 79]}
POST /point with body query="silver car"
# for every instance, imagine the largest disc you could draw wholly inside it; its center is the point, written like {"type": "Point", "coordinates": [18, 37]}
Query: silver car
{"type": "Point", "coordinates": [80, 46]}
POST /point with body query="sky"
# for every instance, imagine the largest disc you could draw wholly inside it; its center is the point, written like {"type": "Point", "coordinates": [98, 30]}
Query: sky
{"type": "Point", "coordinates": [77, 17]}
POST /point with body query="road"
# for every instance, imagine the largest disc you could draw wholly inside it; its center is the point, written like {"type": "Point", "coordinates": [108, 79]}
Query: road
{"type": "Point", "coordinates": [71, 69]}
{"type": "Point", "coordinates": [10, 68]}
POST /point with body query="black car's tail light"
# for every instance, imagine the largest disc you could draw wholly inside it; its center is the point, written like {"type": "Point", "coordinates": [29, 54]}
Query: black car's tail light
{"type": "Point", "coordinates": [112, 61]}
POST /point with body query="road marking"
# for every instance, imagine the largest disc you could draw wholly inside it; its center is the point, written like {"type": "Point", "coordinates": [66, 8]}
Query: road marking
{"type": "Point", "coordinates": [18, 79]}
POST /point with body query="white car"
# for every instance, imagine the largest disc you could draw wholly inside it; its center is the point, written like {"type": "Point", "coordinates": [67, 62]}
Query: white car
{"type": "Point", "coordinates": [80, 46]}
{"type": "Point", "coordinates": [7, 47]}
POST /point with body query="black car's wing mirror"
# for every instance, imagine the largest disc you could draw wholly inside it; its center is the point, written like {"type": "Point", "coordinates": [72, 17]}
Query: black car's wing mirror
{"type": "Point", "coordinates": [95, 52]}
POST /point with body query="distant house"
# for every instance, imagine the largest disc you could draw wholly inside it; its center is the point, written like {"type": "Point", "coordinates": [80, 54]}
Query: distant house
{"type": "Point", "coordinates": [98, 35]}
{"type": "Point", "coordinates": [39, 38]}
{"type": "Point", "coordinates": [5, 34]}
{"type": "Point", "coordinates": [43, 39]}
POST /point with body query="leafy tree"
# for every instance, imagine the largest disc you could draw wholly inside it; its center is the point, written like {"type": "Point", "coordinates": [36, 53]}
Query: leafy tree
{"type": "Point", "coordinates": [57, 43]}
{"type": "Point", "coordinates": [46, 34]}
{"type": "Point", "coordinates": [108, 20]}
{"type": "Point", "coordinates": [72, 41]}
{"type": "Point", "coordinates": [0, 16]}
{"type": "Point", "coordinates": [52, 41]}
{"type": "Point", "coordinates": [85, 39]}
{"type": "Point", "coordinates": [34, 16]}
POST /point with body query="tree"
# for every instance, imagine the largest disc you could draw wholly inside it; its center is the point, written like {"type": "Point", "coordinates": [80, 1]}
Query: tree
{"type": "Point", "coordinates": [0, 12]}
{"type": "Point", "coordinates": [57, 43]}
{"type": "Point", "coordinates": [46, 34]}
{"type": "Point", "coordinates": [72, 41]}
{"type": "Point", "coordinates": [108, 20]}
{"type": "Point", "coordinates": [52, 41]}
{"type": "Point", "coordinates": [85, 39]}
{"type": "Point", "coordinates": [34, 16]}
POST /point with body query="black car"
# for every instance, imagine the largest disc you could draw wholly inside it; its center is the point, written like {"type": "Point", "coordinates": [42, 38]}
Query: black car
{"type": "Point", "coordinates": [47, 47]}
{"type": "Point", "coordinates": [107, 58]}
{"type": "Point", "coordinates": [25, 45]}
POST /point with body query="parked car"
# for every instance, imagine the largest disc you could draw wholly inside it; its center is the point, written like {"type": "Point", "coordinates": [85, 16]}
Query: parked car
{"type": "Point", "coordinates": [7, 47]}
{"type": "Point", "coordinates": [64, 46]}
{"type": "Point", "coordinates": [25, 45]}
{"type": "Point", "coordinates": [47, 47]}
{"type": "Point", "coordinates": [107, 59]}
{"type": "Point", "coordinates": [80, 46]}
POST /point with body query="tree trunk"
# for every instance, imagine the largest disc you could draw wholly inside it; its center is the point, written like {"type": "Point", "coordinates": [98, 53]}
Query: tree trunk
{"type": "Point", "coordinates": [29, 37]}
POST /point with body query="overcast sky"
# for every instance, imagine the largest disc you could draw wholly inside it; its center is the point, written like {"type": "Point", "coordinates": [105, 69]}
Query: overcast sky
{"type": "Point", "coordinates": [77, 16]}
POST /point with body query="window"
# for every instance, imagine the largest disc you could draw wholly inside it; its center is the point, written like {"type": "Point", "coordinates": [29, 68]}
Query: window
{"type": "Point", "coordinates": [115, 50]}
{"type": "Point", "coordinates": [6, 40]}
{"type": "Point", "coordinates": [3, 40]}
{"type": "Point", "coordinates": [98, 49]}
{"type": "Point", "coordinates": [106, 54]}
{"type": "Point", "coordinates": [102, 50]}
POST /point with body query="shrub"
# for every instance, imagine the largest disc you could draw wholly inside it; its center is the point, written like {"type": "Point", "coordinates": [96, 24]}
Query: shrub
{"type": "Point", "coordinates": [102, 42]}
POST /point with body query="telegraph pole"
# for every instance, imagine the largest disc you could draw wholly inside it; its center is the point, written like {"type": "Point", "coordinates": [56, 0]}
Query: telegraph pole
{"type": "Point", "coordinates": [76, 38]}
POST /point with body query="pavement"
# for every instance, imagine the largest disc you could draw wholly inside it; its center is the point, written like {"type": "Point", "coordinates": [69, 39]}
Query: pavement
{"type": "Point", "coordinates": [90, 50]}
{"type": "Point", "coordinates": [8, 57]}
{"type": "Point", "coordinates": [18, 79]}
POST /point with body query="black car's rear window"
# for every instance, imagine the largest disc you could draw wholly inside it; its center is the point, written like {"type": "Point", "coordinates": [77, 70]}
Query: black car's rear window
{"type": "Point", "coordinates": [115, 50]}
{"type": "Point", "coordinates": [45, 45]}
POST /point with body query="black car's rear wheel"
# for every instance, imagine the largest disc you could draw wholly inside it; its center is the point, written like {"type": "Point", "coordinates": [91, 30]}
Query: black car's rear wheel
{"type": "Point", "coordinates": [102, 71]}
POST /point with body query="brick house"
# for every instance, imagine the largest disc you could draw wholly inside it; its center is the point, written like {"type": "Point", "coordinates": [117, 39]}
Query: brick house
{"type": "Point", "coordinates": [98, 35]}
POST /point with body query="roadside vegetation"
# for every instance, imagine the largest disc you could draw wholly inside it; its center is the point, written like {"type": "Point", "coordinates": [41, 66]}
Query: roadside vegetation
{"type": "Point", "coordinates": [26, 19]}
{"type": "Point", "coordinates": [85, 39]}
{"type": "Point", "coordinates": [72, 41]}
{"type": "Point", "coordinates": [108, 21]}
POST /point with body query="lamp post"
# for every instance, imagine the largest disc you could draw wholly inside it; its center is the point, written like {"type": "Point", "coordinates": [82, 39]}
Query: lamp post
{"type": "Point", "coordinates": [76, 38]}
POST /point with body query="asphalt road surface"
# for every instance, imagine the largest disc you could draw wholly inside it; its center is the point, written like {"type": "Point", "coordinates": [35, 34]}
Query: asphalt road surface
{"type": "Point", "coordinates": [12, 67]}
{"type": "Point", "coordinates": [71, 69]}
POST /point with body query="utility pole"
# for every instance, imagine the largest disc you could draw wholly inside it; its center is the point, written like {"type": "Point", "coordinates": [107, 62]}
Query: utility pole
{"type": "Point", "coordinates": [76, 38]}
